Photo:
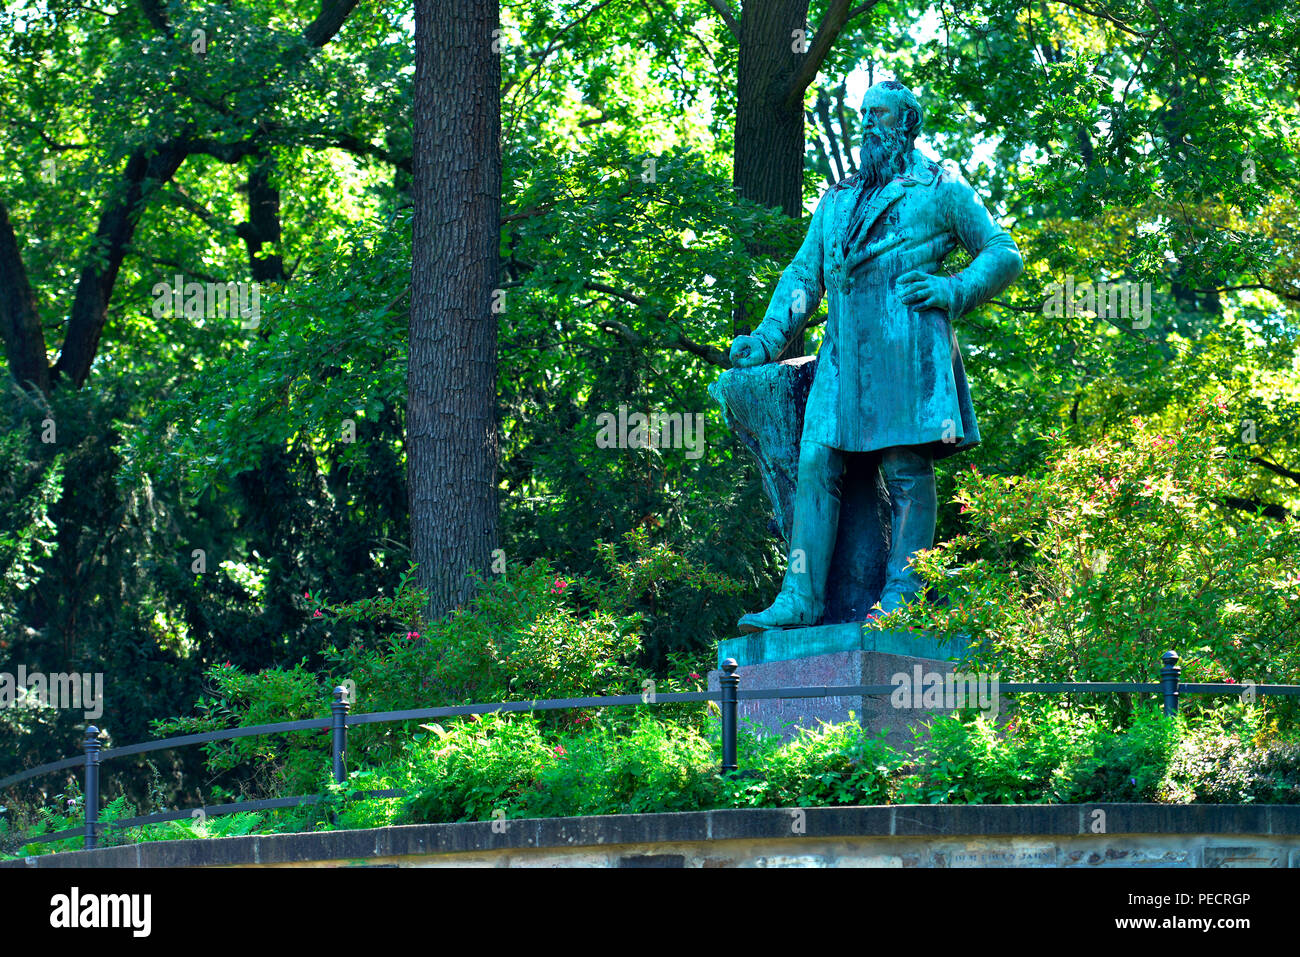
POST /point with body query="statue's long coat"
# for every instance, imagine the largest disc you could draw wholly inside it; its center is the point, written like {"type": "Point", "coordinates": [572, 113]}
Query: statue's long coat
{"type": "Point", "coordinates": [888, 374]}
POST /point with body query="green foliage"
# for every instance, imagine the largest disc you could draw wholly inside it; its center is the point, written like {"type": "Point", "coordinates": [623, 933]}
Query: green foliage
{"type": "Point", "coordinates": [67, 812]}
{"type": "Point", "coordinates": [1121, 767]}
{"type": "Point", "coordinates": [642, 764]}
{"type": "Point", "coordinates": [1235, 756]}
{"type": "Point", "coordinates": [27, 491]}
{"type": "Point", "coordinates": [969, 759]}
{"type": "Point", "coordinates": [1143, 141]}
{"type": "Point", "coordinates": [505, 766]}
{"type": "Point", "coordinates": [1115, 552]}
{"type": "Point", "coordinates": [527, 635]}
{"type": "Point", "coordinates": [522, 637]}
{"type": "Point", "coordinates": [1048, 754]}
{"type": "Point", "coordinates": [837, 764]}
{"type": "Point", "coordinates": [530, 633]}
{"type": "Point", "coordinates": [288, 762]}
{"type": "Point", "coordinates": [327, 372]}
{"type": "Point", "coordinates": [476, 768]}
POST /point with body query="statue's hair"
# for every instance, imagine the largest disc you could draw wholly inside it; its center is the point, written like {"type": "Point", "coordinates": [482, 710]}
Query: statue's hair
{"type": "Point", "coordinates": [909, 101]}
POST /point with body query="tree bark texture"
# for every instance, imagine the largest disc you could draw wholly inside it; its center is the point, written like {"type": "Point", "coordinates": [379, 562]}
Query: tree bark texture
{"type": "Point", "coordinates": [451, 441]}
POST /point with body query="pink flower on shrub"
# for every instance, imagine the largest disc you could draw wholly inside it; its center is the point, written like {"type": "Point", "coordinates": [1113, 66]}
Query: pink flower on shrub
{"type": "Point", "coordinates": [559, 586]}
{"type": "Point", "coordinates": [695, 676]}
{"type": "Point", "coordinates": [412, 635]}
{"type": "Point", "coordinates": [317, 614]}
{"type": "Point", "coordinates": [559, 751]}
{"type": "Point", "coordinates": [1229, 681]}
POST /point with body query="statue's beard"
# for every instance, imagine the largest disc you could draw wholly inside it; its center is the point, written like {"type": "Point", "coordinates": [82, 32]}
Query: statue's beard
{"type": "Point", "coordinates": [884, 156]}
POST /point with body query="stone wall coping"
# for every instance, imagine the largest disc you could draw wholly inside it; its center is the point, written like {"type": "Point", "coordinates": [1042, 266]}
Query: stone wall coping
{"type": "Point", "coordinates": [944, 822]}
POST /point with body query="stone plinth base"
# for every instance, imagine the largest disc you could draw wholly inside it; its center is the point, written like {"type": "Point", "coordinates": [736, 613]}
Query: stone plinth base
{"type": "Point", "coordinates": [843, 654]}
{"type": "Point", "coordinates": [874, 713]}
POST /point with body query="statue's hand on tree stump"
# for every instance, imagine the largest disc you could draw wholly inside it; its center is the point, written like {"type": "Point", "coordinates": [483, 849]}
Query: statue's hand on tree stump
{"type": "Point", "coordinates": [747, 351]}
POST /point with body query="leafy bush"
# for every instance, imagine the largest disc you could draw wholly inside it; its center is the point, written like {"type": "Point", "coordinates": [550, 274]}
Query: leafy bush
{"type": "Point", "coordinates": [521, 638]}
{"type": "Point", "coordinates": [532, 633]}
{"type": "Point", "coordinates": [1234, 760]}
{"type": "Point", "coordinates": [1122, 766]}
{"type": "Point", "coordinates": [281, 763]}
{"type": "Point", "coordinates": [529, 635]}
{"type": "Point", "coordinates": [475, 768]}
{"type": "Point", "coordinates": [645, 765]}
{"type": "Point", "coordinates": [836, 764]}
{"type": "Point", "coordinates": [1116, 552]}
{"type": "Point", "coordinates": [969, 759]}
{"type": "Point", "coordinates": [512, 766]}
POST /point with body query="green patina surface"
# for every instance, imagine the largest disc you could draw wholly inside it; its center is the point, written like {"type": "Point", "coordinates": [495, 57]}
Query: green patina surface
{"type": "Point", "coordinates": [783, 644]}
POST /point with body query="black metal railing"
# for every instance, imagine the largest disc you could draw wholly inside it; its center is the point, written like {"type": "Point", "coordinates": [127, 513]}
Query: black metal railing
{"type": "Point", "coordinates": [728, 697]}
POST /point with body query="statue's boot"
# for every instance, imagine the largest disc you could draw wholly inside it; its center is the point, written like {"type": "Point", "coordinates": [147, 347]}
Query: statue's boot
{"type": "Point", "coordinates": [909, 476]}
{"type": "Point", "coordinates": [802, 599]}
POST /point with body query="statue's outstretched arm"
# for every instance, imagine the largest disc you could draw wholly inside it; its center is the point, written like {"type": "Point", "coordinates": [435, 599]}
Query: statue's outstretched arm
{"type": "Point", "coordinates": [797, 294]}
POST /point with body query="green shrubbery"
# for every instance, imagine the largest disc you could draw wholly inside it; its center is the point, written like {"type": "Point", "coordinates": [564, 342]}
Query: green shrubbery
{"type": "Point", "coordinates": [1086, 572]}
{"type": "Point", "coordinates": [635, 761]}
{"type": "Point", "coordinates": [840, 764]}
{"type": "Point", "coordinates": [508, 766]}
{"type": "Point", "coordinates": [1244, 761]}
{"type": "Point", "coordinates": [528, 635]}
{"type": "Point", "coordinates": [1118, 551]}
{"type": "Point", "coordinates": [1048, 753]}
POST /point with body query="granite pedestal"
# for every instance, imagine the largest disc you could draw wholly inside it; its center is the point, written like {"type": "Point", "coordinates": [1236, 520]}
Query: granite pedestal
{"type": "Point", "coordinates": [833, 655]}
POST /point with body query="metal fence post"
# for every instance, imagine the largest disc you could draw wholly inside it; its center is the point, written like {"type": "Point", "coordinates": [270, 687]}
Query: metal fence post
{"type": "Point", "coordinates": [730, 685]}
{"type": "Point", "coordinates": [1169, 680]}
{"type": "Point", "coordinates": [91, 795]}
{"type": "Point", "coordinates": [340, 712]}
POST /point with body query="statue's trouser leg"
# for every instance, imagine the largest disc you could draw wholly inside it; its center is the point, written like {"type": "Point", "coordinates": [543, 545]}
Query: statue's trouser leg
{"type": "Point", "coordinates": [816, 520]}
{"type": "Point", "coordinates": [909, 475]}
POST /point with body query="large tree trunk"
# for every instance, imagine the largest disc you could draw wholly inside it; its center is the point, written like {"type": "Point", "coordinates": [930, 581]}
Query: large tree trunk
{"type": "Point", "coordinates": [768, 153]}
{"type": "Point", "coordinates": [20, 323]}
{"type": "Point", "coordinates": [263, 225]}
{"type": "Point", "coordinates": [768, 157]}
{"type": "Point", "coordinates": [451, 437]}
{"type": "Point", "coordinates": [778, 58]}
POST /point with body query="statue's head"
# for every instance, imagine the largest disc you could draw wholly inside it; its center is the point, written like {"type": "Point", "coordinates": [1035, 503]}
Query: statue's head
{"type": "Point", "coordinates": [891, 121]}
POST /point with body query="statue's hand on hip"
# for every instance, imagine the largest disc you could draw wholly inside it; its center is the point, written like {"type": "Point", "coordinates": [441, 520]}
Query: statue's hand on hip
{"type": "Point", "coordinates": [924, 291]}
{"type": "Point", "coordinates": [747, 351]}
